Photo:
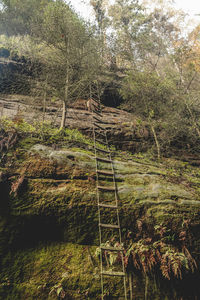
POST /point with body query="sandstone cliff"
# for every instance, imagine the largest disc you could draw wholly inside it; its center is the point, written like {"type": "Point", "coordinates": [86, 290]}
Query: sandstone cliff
{"type": "Point", "coordinates": [49, 221]}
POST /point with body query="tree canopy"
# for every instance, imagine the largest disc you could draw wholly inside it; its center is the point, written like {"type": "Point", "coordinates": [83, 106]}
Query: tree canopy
{"type": "Point", "coordinates": [143, 57]}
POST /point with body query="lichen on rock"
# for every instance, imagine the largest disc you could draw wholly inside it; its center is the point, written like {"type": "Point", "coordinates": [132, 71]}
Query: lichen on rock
{"type": "Point", "coordinates": [49, 218]}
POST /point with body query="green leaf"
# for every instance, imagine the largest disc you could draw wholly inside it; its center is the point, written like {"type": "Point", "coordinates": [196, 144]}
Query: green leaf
{"type": "Point", "coordinates": [59, 290]}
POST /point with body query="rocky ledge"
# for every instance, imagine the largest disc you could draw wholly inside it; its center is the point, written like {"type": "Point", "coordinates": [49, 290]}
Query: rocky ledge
{"type": "Point", "coordinates": [125, 131]}
{"type": "Point", "coordinates": [49, 223]}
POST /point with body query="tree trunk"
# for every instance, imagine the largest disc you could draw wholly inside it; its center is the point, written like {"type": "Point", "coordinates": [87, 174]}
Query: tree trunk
{"type": "Point", "coordinates": [156, 141]}
{"type": "Point", "coordinates": [131, 286]}
{"type": "Point", "coordinates": [154, 65]}
{"type": "Point", "coordinates": [182, 81]}
{"type": "Point", "coordinates": [64, 111]}
{"type": "Point", "coordinates": [2, 108]}
{"type": "Point", "coordinates": [44, 100]}
{"type": "Point", "coordinates": [188, 107]}
{"type": "Point", "coordinates": [192, 116]}
{"type": "Point", "coordinates": [90, 87]}
{"type": "Point", "coordinates": [146, 287]}
{"type": "Point", "coordinates": [65, 101]}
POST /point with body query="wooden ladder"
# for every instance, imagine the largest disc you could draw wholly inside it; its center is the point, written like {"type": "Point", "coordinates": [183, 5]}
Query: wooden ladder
{"type": "Point", "coordinates": [103, 155]}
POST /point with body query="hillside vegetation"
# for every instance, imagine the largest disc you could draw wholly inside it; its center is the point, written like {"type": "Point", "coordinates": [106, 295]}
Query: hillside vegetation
{"type": "Point", "coordinates": [49, 221]}
{"type": "Point", "coordinates": [145, 71]}
{"type": "Point", "coordinates": [129, 57]}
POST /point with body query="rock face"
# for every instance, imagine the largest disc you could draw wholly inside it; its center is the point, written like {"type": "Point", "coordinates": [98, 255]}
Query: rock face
{"type": "Point", "coordinates": [124, 131]}
{"type": "Point", "coordinates": [49, 220]}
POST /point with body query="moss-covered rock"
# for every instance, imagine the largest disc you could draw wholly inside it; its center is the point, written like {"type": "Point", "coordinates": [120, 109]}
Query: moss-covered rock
{"type": "Point", "coordinates": [50, 199]}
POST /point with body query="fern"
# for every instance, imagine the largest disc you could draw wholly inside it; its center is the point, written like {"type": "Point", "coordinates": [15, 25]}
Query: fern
{"type": "Point", "coordinates": [164, 267]}
{"type": "Point", "coordinates": [146, 256]}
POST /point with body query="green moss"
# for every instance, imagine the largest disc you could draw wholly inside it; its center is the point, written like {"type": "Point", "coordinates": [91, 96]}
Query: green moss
{"type": "Point", "coordinates": [57, 202]}
{"type": "Point", "coordinates": [37, 273]}
{"type": "Point", "coordinates": [88, 152]}
{"type": "Point", "coordinates": [27, 142]}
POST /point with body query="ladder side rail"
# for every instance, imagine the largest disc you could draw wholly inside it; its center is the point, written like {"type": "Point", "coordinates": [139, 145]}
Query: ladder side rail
{"type": "Point", "coordinates": [99, 216]}
{"type": "Point", "coordinates": [99, 212]}
{"type": "Point", "coordinates": [118, 220]}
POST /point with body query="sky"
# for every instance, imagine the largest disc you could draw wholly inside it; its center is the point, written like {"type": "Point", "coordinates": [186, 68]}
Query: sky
{"type": "Point", "coordinates": [191, 7]}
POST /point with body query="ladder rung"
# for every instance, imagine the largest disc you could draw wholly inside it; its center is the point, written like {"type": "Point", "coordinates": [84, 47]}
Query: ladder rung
{"type": "Point", "coordinates": [97, 109]}
{"type": "Point", "coordinates": [102, 150]}
{"type": "Point", "coordinates": [109, 248]}
{"type": "Point", "coordinates": [101, 142]}
{"type": "Point", "coordinates": [107, 273]}
{"type": "Point", "coordinates": [97, 101]}
{"type": "Point", "coordinates": [97, 125]}
{"type": "Point", "coordinates": [100, 121]}
{"type": "Point", "coordinates": [107, 205]}
{"type": "Point", "coordinates": [101, 133]}
{"type": "Point", "coordinates": [106, 188]}
{"type": "Point", "coordinates": [103, 159]}
{"type": "Point", "coordinates": [109, 226]}
{"type": "Point", "coordinates": [97, 112]}
{"type": "Point", "coordinates": [104, 172]}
